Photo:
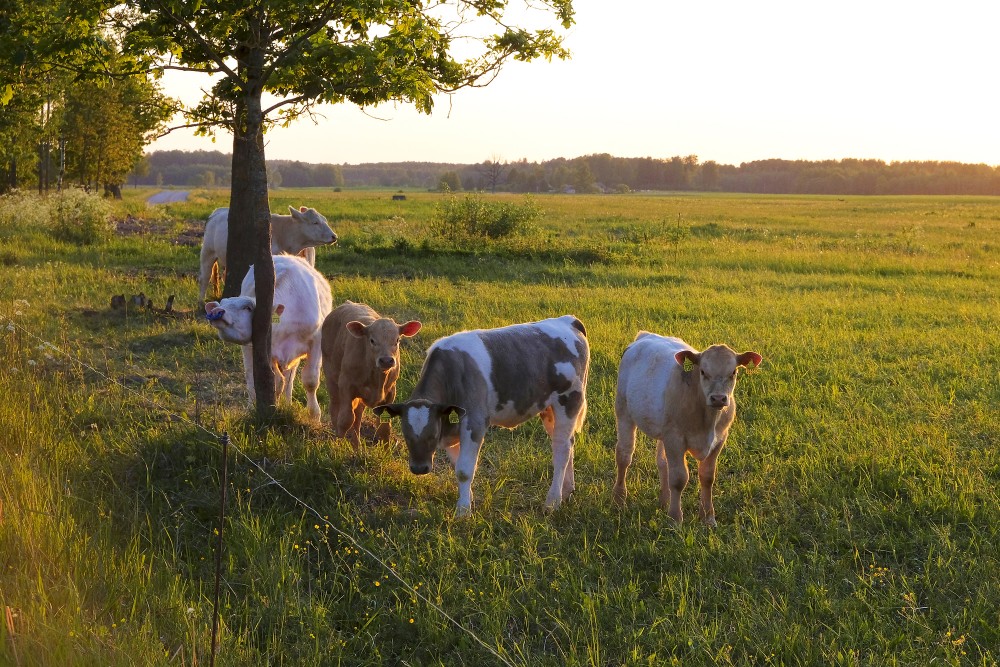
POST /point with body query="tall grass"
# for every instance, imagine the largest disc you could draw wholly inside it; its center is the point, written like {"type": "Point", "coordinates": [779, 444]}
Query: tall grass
{"type": "Point", "coordinates": [856, 500]}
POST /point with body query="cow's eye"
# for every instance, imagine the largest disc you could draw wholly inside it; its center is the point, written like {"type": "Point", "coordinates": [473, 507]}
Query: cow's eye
{"type": "Point", "coordinates": [372, 341]}
{"type": "Point", "coordinates": [704, 375]}
{"type": "Point", "coordinates": [248, 307]}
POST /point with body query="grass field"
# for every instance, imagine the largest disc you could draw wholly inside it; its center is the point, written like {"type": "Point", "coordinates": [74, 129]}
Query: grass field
{"type": "Point", "coordinates": [857, 499]}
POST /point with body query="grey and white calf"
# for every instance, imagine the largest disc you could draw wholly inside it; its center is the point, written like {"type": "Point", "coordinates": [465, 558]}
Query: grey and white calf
{"type": "Point", "coordinates": [297, 233]}
{"type": "Point", "coordinates": [500, 377]}
{"type": "Point", "coordinates": [302, 300]}
{"type": "Point", "coordinates": [684, 400]}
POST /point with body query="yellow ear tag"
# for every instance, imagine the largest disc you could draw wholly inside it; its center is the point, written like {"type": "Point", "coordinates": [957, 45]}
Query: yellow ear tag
{"type": "Point", "coordinates": [688, 365]}
{"type": "Point", "coordinates": [275, 318]}
{"type": "Point", "coordinates": [453, 418]}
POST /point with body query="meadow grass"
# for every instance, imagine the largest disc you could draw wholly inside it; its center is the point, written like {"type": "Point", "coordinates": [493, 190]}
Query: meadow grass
{"type": "Point", "coordinates": [857, 498]}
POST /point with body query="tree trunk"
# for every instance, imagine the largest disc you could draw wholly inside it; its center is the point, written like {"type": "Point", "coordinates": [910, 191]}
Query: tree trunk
{"type": "Point", "coordinates": [250, 228]}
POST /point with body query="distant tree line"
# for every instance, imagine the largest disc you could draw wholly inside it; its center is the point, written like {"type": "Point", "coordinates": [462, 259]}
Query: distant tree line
{"type": "Point", "coordinates": [595, 173]}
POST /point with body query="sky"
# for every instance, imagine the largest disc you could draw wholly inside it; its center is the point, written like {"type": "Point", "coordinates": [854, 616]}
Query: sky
{"type": "Point", "coordinates": [729, 81]}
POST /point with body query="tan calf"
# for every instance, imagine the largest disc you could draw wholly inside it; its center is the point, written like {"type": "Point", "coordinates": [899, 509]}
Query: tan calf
{"type": "Point", "coordinates": [361, 365]}
{"type": "Point", "coordinates": [684, 400]}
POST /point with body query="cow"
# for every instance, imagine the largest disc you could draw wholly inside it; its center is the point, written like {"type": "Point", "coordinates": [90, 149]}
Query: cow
{"type": "Point", "coordinates": [684, 400]}
{"type": "Point", "coordinates": [297, 233]}
{"type": "Point", "coordinates": [498, 377]}
{"type": "Point", "coordinates": [302, 300]}
{"type": "Point", "coordinates": [361, 364]}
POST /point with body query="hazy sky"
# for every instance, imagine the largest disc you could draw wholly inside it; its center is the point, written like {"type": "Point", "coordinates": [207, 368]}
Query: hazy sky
{"type": "Point", "coordinates": [730, 81]}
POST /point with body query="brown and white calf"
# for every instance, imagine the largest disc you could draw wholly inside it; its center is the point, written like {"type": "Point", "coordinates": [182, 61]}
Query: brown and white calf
{"type": "Point", "coordinates": [298, 233]}
{"type": "Point", "coordinates": [684, 400]}
{"type": "Point", "coordinates": [361, 364]}
{"type": "Point", "coordinates": [498, 377]}
{"type": "Point", "coordinates": [302, 300]}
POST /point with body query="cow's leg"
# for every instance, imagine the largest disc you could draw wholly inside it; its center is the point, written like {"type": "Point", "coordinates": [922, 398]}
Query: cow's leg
{"type": "Point", "coordinates": [673, 476]}
{"type": "Point", "coordinates": [562, 457]}
{"type": "Point", "coordinates": [355, 433]}
{"type": "Point", "coordinates": [205, 272]}
{"type": "Point", "coordinates": [706, 480]}
{"type": "Point", "coordinates": [248, 371]}
{"type": "Point", "coordinates": [569, 481]}
{"type": "Point", "coordinates": [624, 449]}
{"type": "Point", "coordinates": [470, 441]}
{"type": "Point", "coordinates": [288, 377]}
{"type": "Point", "coordinates": [345, 419]}
{"type": "Point", "coordinates": [310, 378]}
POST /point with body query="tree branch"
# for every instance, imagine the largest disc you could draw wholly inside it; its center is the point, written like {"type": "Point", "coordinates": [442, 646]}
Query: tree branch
{"type": "Point", "coordinates": [207, 48]}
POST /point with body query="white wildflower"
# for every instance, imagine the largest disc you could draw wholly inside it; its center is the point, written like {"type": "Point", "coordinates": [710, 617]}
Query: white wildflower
{"type": "Point", "coordinates": [11, 327]}
{"type": "Point", "coordinates": [31, 362]}
{"type": "Point", "coordinates": [190, 610]}
{"type": "Point", "coordinates": [18, 313]}
{"type": "Point", "coordinates": [21, 303]}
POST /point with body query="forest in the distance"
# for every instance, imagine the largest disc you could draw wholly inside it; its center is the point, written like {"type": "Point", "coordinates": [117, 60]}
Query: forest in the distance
{"type": "Point", "coordinates": [593, 173]}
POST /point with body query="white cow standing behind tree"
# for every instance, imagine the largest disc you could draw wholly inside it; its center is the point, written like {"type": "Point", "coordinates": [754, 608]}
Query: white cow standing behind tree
{"type": "Point", "coordinates": [302, 300]}
{"type": "Point", "coordinates": [297, 233]}
{"type": "Point", "coordinates": [684, 400]}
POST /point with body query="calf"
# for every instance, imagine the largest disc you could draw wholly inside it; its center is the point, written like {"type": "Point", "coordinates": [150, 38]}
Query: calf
{"type": "Point", "coordinates": [500, 377]}
{"type": "Point", "coordinates": [301, 302]}
{"type": "Point", "coordinates": [684, 400]}
{"type": "Point", "coordinates": [297, 233]}
{"type": "Point", "coordinates": [361, 364]}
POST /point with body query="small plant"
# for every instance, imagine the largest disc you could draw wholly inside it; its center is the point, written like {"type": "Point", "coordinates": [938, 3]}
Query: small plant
{"type": "Point", "coordinates": [477, 217]}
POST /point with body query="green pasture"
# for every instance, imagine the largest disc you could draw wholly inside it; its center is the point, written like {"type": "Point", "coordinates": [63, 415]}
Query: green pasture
{"type": "Point", "coordinates": [857, 501]}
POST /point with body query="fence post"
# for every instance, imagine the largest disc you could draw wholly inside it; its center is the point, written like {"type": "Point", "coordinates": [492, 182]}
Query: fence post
{"type": "Point", "coordinates": [224, 440]}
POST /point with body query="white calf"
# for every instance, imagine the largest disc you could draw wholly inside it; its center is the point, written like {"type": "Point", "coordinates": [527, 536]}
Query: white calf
{"type": "Point", "coordinates": [684, 400]}
{"type": "Point", "coordinates": [302, 300]}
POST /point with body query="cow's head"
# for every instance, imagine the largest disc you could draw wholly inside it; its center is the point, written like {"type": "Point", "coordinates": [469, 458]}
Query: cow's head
{"type": "Point", "coordinates": [232, 317]}
{"type": "Point", "coordinates": [382, 339]}
{"type": "Point", "coordinates": [717, 367]}
{"type": "Point", "coordinates": [426, 426]}
{"type": "Point", "coordinates": [314, 227]}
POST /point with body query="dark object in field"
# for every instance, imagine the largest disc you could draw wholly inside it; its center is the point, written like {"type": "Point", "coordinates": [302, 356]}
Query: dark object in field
{"type": "Point", "coordinates": [169, 307]}
{"type": "Point", "coordinates": [399, 198]}
{"type": "Point", "coordinates": [118, 302]}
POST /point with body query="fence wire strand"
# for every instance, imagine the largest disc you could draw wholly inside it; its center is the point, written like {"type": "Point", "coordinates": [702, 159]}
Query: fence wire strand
{"type": "Point", "coordinates": [215, 440]}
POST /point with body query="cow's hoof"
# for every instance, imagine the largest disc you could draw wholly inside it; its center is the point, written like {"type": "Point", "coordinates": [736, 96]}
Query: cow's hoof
{"type": "Point", "coordinates": [709, 521]}
{"type": "Point", "coordinates": [462, 512]}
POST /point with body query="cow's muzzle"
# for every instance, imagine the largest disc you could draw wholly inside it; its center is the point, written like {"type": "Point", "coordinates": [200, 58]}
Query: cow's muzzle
{"type": "Point", "coordinates": [420, 468]}
{"type": "Point", "coordinates": [718, 401]}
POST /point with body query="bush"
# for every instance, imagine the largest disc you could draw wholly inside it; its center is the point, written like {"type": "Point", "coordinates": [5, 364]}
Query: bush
{"type": "Point", "coordinates": [80, 218]}
{"type": "Point", "coordinates": [477, 217]}
{"type": "Point", "coordinates": [72, 215]}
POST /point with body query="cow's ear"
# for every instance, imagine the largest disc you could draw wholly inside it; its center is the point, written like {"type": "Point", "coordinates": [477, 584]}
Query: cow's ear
{"type": "Point", "coordinates": [410, 328]}
{"type": "Point", "coordinates": [357, 329]}
{"type": "Point", "coordinates": [279, 309]}
{"type": "Point", "coordinates": [294, 211]}
{"type": "Point", "coordinates": [303, 209]}
{"type": "Point", "coordinates": [749, 359]}
{"type": "Point", "coordinates": [688, 359]}
{"type": "Point", "coordinates": [210, 306]}
{"type": "Point", "coordinates": [394, 409]}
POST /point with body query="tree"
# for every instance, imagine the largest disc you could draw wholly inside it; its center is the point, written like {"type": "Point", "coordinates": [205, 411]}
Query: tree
{"type": "Point", "coordinates": [492, 172]}
{"type": "Point", "coordinates": [304, 54]}
{"type": "Point", "coordinates": [451, 181]}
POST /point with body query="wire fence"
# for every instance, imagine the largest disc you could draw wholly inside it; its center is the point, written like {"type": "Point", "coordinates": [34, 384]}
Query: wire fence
{"type": "Point", "coordinates": [216, 438]}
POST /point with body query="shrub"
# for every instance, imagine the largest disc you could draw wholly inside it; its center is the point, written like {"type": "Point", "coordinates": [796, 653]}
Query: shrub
{"type": "Point", "coordinates": [71, 215]}
{"type": "Point", "coordinates": [80, 218]}
{"type": "Point", "coordinates": [477, 217]}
